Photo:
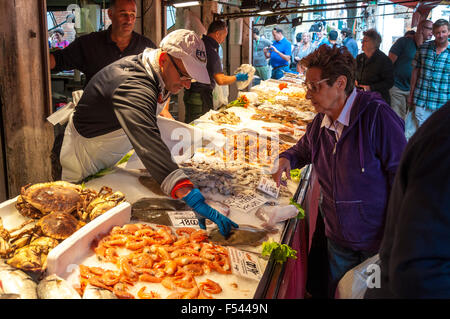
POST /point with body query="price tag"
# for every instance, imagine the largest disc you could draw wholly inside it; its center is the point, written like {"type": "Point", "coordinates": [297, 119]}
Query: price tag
{"type": "Point", "coordinates": [244, 264]}
{"type": "Point", "coordinates": [246, 202]}
{"type": "Point", "coordinates": [268, 186]}
{"type": "Point", "coordinates": [183, 219]}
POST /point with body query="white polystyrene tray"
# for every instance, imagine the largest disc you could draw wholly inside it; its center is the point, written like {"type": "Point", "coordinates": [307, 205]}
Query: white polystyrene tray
{"type": "Point", "coordinates": [10, 216]}
{"type": "Point", "coordinates": [63, 258]}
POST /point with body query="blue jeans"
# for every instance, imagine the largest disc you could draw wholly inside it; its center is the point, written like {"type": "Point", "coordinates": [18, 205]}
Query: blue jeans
{"type": "Point", "coordinates": [422, 114]}
{"type": "Point", "coordinates": [277, 73]}
{"type": "Point", "coordinates": [341, 260]}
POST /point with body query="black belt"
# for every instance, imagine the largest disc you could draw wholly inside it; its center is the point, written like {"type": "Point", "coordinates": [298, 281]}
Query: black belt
{"type": "Point", "coordinates": [273, 69]}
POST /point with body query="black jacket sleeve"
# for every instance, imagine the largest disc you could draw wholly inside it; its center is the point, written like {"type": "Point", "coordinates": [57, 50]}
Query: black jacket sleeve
{"type": "Point", "coordinates": [135, 103]}
{"type": "Point", "coordinates": [385, 75]}
{"type": "Point", "coordinates": [69, 58]}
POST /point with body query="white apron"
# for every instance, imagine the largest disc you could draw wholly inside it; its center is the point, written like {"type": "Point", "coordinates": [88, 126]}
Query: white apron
{"type": "Point", "coordinates": [81, 156]}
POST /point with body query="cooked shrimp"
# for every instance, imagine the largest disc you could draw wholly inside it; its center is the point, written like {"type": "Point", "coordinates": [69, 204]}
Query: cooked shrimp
{"type": "Point", "coordinates": [169, 283]}
{"type": "Point", "coordinates": [149, 278]}
{"type": "Point", "coordinates": [176, 295]}
{"type": "Point", "coordinates": [126, 269]}
{"type": "Point", "coordinates": [184, 260]}
{"type": "Point", "coordinates": [152, 295]}
{"type": "Point", "coordinates": [136, 243]}
{"type": "Point", "coordinates": [120, 290]}
{"type": "Point", "coordinates": [210, 286]}
{"type": "Point", "coordinates": [109, 278]}
{"type": "Point", "coordinates": [192, 294]}
{"type": "Point", "coordinates": [198, 236]}
{"type": "Point", "coordinates": [185, 230]}
{"type": "Point", "coordinates": [194, 269]}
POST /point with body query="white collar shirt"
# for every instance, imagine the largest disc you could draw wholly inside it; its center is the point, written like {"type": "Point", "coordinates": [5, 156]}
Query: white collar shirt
{"type": "Point", "coordinates": [343, 119]}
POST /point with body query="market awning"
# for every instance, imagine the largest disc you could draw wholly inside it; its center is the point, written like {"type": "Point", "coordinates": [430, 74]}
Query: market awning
{"type": "Point", "coordinates": [421, 9]}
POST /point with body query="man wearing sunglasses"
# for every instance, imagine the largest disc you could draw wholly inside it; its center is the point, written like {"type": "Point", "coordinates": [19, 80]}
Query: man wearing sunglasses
{"type": "Point", "coordinates": [354, 143]}
{"type": "Point", "coordinates": [118, 112]}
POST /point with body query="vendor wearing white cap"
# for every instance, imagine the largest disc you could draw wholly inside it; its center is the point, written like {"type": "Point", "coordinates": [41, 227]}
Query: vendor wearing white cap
{"type": "Point", "coordinates": [118, 112]}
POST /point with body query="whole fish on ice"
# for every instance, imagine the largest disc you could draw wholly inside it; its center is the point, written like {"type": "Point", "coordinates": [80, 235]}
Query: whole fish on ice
{"type": "Point", "coordinates": [244, 235]}
{"type": "Point", "coordinates": [92, 292]}
{"type": "Point", "coordinates": [14, 281]}
{"type": "Point", "coordinates": [154, 210]}
{"type": "Point", "coordinates": [54, 287]}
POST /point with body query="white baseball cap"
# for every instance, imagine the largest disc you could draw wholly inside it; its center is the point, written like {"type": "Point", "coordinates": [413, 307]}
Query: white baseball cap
{"type": "Point", "coordinates": [187, 46]}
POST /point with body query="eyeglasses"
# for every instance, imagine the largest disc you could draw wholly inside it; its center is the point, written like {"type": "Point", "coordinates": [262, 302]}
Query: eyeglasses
{"type": "Point", "coordinates": [183, 77]}
{"type": "Point", "coordinates": [313, 86]}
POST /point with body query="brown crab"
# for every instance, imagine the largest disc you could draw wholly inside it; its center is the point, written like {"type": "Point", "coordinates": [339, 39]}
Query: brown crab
{"type": "Point", "coordinates": [104, 201]}
{"type": "Point", "coordinates": [33, 257]}
{"type": "Point", "coordinates": [39, 199]}
{"type": "Point", "coordinates": [58, 225]}
{"type": "Point", "coordinates": [10, 240]}
{"type": "Point", "coordinates": [37, 242]}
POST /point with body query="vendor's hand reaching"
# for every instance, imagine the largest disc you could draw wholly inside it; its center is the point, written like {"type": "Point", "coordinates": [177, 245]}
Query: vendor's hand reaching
{"type": "Point", "coordinates": [241, 77]}
{"type": "Point", "coordinates": [283, 166]}
{"type": "Point", "coordinates": [196, 200]}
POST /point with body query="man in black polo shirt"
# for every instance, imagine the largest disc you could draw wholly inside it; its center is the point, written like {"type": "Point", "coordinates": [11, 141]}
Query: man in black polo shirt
{"type": "Point", "coordinates": [198, 99]}
{"type": "Point", "coordinates": [92, 52]}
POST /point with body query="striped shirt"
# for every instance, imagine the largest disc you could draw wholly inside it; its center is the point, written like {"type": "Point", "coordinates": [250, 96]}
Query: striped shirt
{"type": "Point", "coordinates": [432, 89]}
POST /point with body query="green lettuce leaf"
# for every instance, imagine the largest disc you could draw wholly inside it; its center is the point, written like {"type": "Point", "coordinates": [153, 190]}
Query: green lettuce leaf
{"type": "Point", "coordinates": [281, 252]}
{"type": "Point", "coordinates": [301, 211]}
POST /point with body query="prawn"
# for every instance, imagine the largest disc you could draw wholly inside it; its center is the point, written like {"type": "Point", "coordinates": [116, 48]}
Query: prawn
{"type": "Point", "coordinates": [126, 269]}
{"type": "Point", "coordinates": [149, 278]}
{"type": "Point", "coordinates": [109, 278]}
{"type": "Point", "coordinates": [210, 286]}
{"type": "Point", "coordinates": [198, 236]}
{"type": "Point", "coordinates": [120, 291]}
{"type": "Point", "coordinates": [184, 230]}
{"type": "Point", "coordinates": [152, 295]}
{"type": "Point", "coordinates": [194, 269]}
{"type": "Point", "coordinates": [192, 294]}
{"type": "Point", "coordinates": [136, 243]}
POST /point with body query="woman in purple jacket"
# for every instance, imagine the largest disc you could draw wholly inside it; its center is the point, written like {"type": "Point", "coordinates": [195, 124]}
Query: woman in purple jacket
{"type": "Point", "coordinates": [355, 144]}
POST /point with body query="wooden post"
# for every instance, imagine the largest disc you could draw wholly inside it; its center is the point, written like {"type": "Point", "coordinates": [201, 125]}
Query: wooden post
{"type": "Point", "coordinates": [24, 92]}
{"type": "Point", "coordinates": [154, 25]}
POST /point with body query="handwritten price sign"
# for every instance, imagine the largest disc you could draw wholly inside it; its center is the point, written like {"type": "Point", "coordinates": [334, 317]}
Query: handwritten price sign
{"type": "Point", "coordinates": [268, 186]}
{"type": "Point", "coordinates": [244, 264]}
{"type": "Point", "coordinates": [183, 219]}
{"type": "Point", "coordinates": [246, 202]}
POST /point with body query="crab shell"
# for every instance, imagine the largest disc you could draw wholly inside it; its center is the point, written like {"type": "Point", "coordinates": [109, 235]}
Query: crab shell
{"type": "Point", "coordinates": [56, 196]}
{"type": "Point", "coordinates": [34, 256]}
{"type": "Point", "coordinates": [103, 203]}
{"type": "Point", "coordinates": [58, 225]}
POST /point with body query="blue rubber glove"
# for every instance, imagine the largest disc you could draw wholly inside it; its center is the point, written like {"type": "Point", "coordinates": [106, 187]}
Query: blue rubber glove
{"type": "Point", "coordinates": [196, 200]}
{"type": "Point", "coordinates": [242, 77]}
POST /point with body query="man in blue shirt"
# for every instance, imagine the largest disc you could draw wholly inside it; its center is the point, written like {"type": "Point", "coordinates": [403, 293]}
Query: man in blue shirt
{"type": "Point", "coordinates": [198, 99]}
{"type": "Point", "coordinates": [401, 54]}
{"type": "Point", "coordinates": [279, 53]}
{"type": "Point", "coordinates": [430, 78]}
{"type": "Point", "coordinates": [349, 42]}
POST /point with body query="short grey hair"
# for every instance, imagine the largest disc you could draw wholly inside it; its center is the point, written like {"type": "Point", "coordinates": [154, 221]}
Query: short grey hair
{"type": "Point", "coordinates": [374, 36]}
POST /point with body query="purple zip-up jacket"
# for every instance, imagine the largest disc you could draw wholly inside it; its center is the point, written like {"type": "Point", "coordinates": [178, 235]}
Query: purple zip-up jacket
{"type": "Point", "coordinates": [356, 178]}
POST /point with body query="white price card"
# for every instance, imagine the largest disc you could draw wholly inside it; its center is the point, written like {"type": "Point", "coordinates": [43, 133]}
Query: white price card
{"type": "Point", "coordinates": [268, 186]}
{"type": "Point", "coordinates": [245, 202]}
{"type": "Point", "coordinates": [244, 264]}
{"type": "Point", "coordinates": [183, 218]}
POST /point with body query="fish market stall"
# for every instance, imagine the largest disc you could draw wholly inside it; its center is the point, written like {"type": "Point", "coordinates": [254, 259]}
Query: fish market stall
{"type": "Point", "coordinates": [147, 245]}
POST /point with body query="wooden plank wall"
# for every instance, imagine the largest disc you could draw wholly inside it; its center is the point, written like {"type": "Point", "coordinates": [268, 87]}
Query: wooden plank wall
{"type": "Point", "coordinates": [23, 85]}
